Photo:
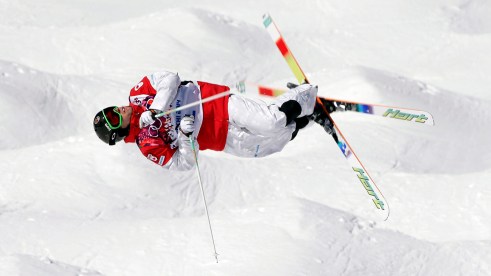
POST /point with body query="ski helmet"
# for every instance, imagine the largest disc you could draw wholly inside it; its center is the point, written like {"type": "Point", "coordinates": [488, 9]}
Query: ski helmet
{"type": "Point", "coordinates": [108, 125]}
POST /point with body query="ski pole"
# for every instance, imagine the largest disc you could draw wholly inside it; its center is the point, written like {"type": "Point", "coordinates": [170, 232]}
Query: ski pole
{"type": "Point", "coordinates": [209, 99]}
{"type": "Point", "coordinates": [191, 139]}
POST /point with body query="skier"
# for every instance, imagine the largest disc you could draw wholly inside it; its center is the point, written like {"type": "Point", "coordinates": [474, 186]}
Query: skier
{"type": "Point", "coordinates": [233, 124]}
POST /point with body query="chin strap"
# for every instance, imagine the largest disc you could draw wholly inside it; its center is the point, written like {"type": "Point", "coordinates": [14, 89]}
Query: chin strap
{"type": "Point", "coordinates": [112, 137]}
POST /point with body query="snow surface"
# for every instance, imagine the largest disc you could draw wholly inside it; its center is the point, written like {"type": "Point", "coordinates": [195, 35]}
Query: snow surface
{"type": "Point", "coordinates": [70, 205]}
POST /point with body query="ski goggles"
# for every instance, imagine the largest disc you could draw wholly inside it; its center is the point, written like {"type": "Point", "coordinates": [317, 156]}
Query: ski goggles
{"type": "Point", "coordinates": [113, 118]}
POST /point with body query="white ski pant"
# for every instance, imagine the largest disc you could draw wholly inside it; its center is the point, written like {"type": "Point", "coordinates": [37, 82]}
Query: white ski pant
{"type": "Point", "coordinates": [256, 129]}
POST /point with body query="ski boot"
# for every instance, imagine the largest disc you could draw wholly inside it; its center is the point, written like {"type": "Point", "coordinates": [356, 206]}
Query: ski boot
{"type": "Point", "coordinates": [319, 115]}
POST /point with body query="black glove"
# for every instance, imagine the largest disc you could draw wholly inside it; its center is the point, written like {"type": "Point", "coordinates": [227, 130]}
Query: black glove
{"type": "Point", "coordinates": [291, 85]}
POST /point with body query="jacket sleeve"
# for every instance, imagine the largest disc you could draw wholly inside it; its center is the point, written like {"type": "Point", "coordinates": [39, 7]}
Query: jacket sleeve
{"type": "Point", "coordinates": [183, 158]}
{"type": "Point", "coordinates": [180, 158]}
{"type": "Point", "coordinates": [166, 84]}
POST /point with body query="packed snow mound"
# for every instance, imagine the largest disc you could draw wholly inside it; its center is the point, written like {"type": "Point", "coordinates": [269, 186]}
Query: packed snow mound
{"type": "Point", "coordinates": [442, 148]}
{"type": "Point", "coordinates": [409, 147]}
{"type": "Point", "coordinates": [75, 13]}
{"type": "Point", "coordinates": [39, 107]}
{"type": "Point", "coordinates": [353, 243]}
{"type": "Point", "coordinates": [117, 47]}
{"type": "Point", "coordinates": [35, 109]}
{"type": "Point", "coordinates": [27, 265]}
{"type": "Point", "coordinates": [471, 17]}
{"type": "Point", "coordinates": [307, 238]}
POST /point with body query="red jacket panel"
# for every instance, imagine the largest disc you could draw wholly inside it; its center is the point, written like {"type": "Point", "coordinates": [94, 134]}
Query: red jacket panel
{"type": "Point", "coordinates": [214, 130]}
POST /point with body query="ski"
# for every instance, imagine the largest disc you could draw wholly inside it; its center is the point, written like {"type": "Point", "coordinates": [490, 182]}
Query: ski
{"type": "Point", "coordinates": [359, 170]}
{"type": "Point", "coordinates": [337, 105]}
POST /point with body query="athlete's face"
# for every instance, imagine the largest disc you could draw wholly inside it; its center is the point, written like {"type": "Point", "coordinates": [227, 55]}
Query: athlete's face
{"type": "Point", "coordinates": [126, 112]}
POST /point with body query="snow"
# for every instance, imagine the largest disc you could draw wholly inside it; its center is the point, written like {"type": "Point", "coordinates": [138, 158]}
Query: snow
{"type": "Point", "coordinates": [70, 205]}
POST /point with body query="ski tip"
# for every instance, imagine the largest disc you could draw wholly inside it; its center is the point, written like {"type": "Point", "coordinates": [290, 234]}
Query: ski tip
{"type": "Point", "coordinates": [425, 118]}
{"type": "Point", "coordinates": [422, 117]}
{"type": "Point", "coordinates": [387, 217]}
{"type": "Point", "coordinates": [267, 20]}
{"type": "Point", "coordinates": [431, 121]}
{"type": "Point", "coordinates": [382, 212]}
